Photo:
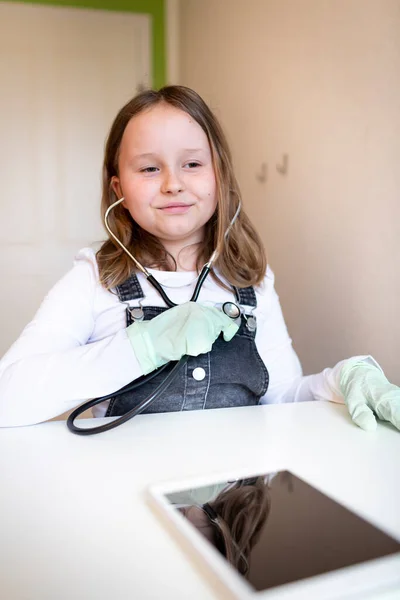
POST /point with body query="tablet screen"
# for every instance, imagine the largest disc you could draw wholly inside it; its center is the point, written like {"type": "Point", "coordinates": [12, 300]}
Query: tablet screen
{"type": "Point", "coordinates": [275, 529]}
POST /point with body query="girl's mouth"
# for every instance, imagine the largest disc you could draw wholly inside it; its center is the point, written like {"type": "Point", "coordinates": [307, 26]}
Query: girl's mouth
{"type": "Point", "coordinates": [176, 208]}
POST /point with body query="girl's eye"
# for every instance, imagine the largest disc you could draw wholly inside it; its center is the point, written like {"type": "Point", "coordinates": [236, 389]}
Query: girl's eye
{"type": "Point", "coordinates": [193, 165]}
{"type": "Point", "coordinates": [148, 170]}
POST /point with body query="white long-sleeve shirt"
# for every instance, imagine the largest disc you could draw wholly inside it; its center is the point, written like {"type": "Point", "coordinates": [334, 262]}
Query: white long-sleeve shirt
{"type": "Point", "coordinates": [77, 348]}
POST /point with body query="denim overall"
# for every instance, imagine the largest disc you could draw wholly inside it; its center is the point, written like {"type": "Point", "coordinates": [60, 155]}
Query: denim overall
{"type": "Point", "coordinates": [232, 374]}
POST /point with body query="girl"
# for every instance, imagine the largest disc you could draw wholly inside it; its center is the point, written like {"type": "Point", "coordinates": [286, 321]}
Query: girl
{"type": "Point", "coordinates": [104, 324]}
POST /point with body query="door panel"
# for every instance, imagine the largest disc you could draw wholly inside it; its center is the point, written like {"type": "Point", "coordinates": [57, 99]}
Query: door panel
{"type": "Point", "coordinates": [65, 73]}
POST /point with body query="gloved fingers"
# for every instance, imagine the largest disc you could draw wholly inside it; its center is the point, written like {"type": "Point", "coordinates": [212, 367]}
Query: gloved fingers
{"type": "Point", "coordinates": [361, 414]}
{"type": "Point", "coordinates": [192, 316]}
{"type": "Point", "coordinates": [388, 407]}
{"type": "Point", "coordinates": [365, 419]}
{"type": "Point", "coordinates": [204, 327]}
{"type": "Point", "coordinates": [229, 331]}
{"type": "Point", "coordinates": [222, 323]}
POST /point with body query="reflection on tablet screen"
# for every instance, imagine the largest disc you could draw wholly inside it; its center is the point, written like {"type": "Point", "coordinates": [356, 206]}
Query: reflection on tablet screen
{"type": "Point", "coordinates": [275, 529]}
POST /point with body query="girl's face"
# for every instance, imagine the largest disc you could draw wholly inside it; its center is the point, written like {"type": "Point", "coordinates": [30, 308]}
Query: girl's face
{"type": "Point", "coordinates": [166, 176]}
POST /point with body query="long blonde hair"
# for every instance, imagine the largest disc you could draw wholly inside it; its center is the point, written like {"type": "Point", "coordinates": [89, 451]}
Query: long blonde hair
{"type": "Point", "coordinates": [241, 260]}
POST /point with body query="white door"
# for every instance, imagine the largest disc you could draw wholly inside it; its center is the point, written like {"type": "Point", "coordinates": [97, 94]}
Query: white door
{"type": "Point", "coordinates": [64, 73]}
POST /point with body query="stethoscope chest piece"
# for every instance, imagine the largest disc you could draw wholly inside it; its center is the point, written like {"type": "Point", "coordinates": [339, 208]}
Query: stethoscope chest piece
{"type": "Point", "coordinates": [231, 310]}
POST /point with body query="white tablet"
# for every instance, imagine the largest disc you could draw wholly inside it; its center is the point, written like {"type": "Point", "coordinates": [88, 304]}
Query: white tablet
{"type": "Point", "coordinates": [276, 536]}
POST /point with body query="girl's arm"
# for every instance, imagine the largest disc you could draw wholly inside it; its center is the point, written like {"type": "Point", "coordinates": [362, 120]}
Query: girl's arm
{"type": "Point", "coordinates": [54, 366]}
{"type": "Point", "coordinates": [287, 383]}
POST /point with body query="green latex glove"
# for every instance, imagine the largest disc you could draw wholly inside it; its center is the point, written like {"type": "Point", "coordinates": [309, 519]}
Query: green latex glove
{"type": "Point", "coordinates": [185, 329]}
{"type": "Point", "coordinates": [367, 391]}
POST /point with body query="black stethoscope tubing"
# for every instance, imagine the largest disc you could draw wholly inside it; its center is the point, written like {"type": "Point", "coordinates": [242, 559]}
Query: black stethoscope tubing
{"type": "Point", "coordinates": [200, 280]}
{"type": "Point", "coordinates": [135, 411]}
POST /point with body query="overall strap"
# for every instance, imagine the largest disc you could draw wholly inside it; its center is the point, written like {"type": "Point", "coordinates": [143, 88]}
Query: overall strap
{"type": "Point", "coordinates": [130, 289]}
{"type": "Point", "coordinates": [246, 296]}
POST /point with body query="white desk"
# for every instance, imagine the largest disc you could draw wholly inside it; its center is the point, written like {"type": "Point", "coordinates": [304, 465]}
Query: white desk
{"type": "Point", "coordinates": [74, 523]}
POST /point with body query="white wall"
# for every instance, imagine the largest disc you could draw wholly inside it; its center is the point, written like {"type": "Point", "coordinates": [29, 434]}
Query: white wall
{"type": "Point", "coordinates": [320, 80]}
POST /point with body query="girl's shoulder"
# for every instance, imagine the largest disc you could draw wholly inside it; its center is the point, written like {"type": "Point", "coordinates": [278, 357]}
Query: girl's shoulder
{"type": "Point", "coordinates": [265, 293]}
{"type": "Point", "coordinates": [86, 255]}
{"type": "Point", "coordinates": [85, 261]}
{"type": "Point", "coordinates": [82, 279]}
{"type": "Point", "coordinates": [267, 285]}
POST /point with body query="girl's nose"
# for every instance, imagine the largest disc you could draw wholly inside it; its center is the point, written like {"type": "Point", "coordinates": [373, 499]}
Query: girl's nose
{"type": "Point", "coordinates": [172, 183]}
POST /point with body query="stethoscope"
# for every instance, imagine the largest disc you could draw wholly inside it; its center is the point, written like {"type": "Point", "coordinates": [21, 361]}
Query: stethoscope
{"type": "Point", "coordinates": [231, 309]}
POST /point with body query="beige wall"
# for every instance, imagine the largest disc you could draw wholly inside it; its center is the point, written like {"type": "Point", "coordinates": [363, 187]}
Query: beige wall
{"type": "Point", "coordinates": [319, 80]}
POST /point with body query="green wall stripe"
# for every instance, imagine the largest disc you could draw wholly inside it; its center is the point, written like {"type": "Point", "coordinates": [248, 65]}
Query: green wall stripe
{"type": "Point", "coordinates": [154, 8]}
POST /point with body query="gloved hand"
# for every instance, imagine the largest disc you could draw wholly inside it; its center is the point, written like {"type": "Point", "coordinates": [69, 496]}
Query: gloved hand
{"type": "Point", "coordinates": [188, 328]}
{"type": "Point", "coordinates": [367, 391]}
